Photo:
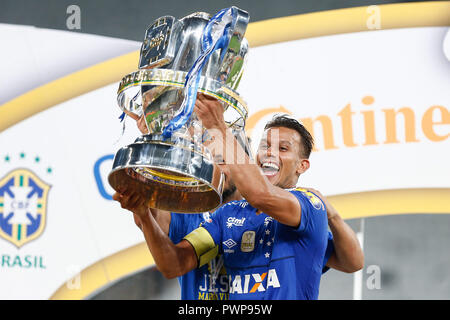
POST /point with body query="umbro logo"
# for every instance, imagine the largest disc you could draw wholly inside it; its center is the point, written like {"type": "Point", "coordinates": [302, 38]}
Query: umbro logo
{"type": "Point", "coordinates": [230, 243]}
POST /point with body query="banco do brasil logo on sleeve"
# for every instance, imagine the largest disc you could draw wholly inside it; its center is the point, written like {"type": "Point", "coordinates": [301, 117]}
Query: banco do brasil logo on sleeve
{"type": "Point", "coordinates": [23, 206]}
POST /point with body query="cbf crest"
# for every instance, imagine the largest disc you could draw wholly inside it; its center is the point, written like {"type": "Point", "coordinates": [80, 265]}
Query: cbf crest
{"type": "Point", "coordinates": [23, 206]}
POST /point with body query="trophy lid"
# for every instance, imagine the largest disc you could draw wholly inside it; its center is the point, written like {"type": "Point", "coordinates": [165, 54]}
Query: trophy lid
{"type": "Point", "coordinates": [175, 44]}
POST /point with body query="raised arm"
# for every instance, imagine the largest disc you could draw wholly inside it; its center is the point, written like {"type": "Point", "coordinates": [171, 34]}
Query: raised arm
{"type": "Point", "coordinates": [172, 260]}
{"type": "Point", "coordinates": [162, 217]}
{"type": "Point", "coordinates": [251, 183]}
{"type": "Point", "coordinates": [348, 255]}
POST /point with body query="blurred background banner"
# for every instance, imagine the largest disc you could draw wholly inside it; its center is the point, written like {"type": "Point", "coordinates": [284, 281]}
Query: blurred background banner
{"type": "Point", "coordinates": [371, 81]}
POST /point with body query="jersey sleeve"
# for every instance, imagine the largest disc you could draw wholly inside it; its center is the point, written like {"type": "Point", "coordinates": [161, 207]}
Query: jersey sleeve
{"type": "Point", "coordinates": [183, 223]}
{"type": "Point", "coordinates": [206, 239]}
{"type": "Point", "coordinates": [329, 251]}
{"type": "Point", "coordinates": [176, 227]}
{"type": "Point", "coordinates": [313, 211]}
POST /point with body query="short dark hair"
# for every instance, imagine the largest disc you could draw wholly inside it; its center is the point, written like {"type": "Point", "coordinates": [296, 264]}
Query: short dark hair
{"type": "Point", "coordinates": [287, 121]}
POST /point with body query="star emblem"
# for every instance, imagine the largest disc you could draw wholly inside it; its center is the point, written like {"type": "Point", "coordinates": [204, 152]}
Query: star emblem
{"type": "Point", "coordinates": [269, 243]}
{"type": "Point", "coordinates": [261, 241]}
{"type": "Point", "coordinates": [267, 255]}
{"type": "Point", "coordinates": [267, 232]}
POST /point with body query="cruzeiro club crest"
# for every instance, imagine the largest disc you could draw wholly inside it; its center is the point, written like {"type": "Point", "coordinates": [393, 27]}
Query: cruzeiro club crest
{"type": "Point", "coordinates": [23, 206]}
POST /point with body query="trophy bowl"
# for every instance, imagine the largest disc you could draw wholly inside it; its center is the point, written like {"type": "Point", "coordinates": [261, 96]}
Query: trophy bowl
{"type": "Point", "coordinates": [174, 169]}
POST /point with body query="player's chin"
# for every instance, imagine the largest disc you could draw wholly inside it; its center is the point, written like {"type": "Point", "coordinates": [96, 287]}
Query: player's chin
{"type": "Point", "coordinates": [273, 178]}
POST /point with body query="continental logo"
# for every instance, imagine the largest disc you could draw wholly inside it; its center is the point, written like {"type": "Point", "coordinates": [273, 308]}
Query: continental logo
{"type": "Point", "coordinates": [433, 124]}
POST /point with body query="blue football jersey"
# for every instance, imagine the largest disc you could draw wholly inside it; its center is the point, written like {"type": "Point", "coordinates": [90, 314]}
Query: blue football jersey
{"type": "Point", "coordinates": [265, 259]}
{"type": "Point", "coordinates": [210, 281]}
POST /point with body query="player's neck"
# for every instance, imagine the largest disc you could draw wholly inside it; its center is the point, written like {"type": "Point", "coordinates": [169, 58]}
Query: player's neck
{"type": "Point", "coordinates": [289, 185]}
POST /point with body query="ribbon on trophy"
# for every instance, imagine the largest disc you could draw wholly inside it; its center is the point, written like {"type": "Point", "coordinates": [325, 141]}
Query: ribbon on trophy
{"type": "Point", "coordinates": [216, 35]}
{"type": "Point", "coordinates": [124, 115]}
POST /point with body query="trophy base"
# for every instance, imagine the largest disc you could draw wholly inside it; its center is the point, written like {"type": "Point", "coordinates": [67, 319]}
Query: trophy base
{"type": "Point", "coordinates": [173, 176]}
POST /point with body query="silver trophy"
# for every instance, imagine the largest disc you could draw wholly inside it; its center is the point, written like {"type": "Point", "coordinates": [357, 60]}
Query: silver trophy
{"type": "Point", "coordinates": [175, 171]}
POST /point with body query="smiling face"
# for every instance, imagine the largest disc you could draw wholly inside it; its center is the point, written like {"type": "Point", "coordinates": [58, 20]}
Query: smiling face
{"type": "Point", "coordinates": [280, 156]}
